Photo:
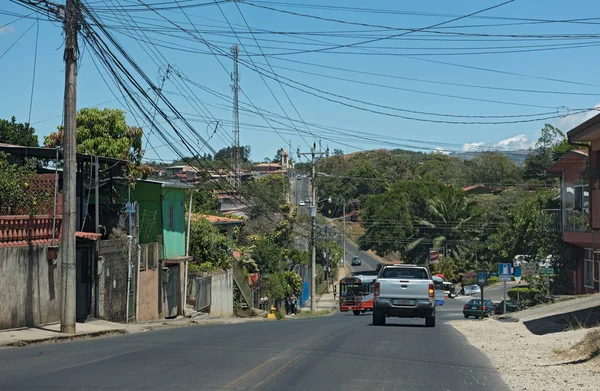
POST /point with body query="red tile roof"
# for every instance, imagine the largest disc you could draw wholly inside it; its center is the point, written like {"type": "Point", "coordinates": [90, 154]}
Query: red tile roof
{"type": "Point", "coordinates": [88, 235]}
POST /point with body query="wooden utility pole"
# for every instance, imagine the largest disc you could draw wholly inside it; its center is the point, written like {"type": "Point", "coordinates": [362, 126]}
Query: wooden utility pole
{"type": "Point", "coordinates": [67, 250]}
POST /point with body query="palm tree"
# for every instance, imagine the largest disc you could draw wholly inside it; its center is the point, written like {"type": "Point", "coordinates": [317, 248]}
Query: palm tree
{"type": "Point", "coordinates": [444, 223]}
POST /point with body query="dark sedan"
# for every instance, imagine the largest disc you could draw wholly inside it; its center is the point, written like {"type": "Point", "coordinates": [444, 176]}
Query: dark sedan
{"type": "Point", "coordinates": [511, 306]}
{"type": "Point", "coordinates": [473, 308]}
{"type": "Point", "coordinates": [356, 261]}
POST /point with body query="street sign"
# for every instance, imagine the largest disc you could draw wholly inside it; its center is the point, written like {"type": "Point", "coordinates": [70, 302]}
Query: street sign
{"type": "Point", "coordinates": [482, 278]}
{"type": "Point", "coordinates": [434, 257]}
{"type": "Point", "coordinates": [518, 274]}
{"type": "Point", "coordinates": [547, 271]}
{"type": "Point", "coordinates": [529, 269]}
{"type": "Point", "coordinates": [504, 272]}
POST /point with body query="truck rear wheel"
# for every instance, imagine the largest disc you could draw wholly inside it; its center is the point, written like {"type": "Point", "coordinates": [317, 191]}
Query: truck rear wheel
{"type": "Point", "coordinates": [356, 312]}
{"type": "Point", "coordinates": [430, 321]}
{"type": "Point", "coordinates": [378, 317]}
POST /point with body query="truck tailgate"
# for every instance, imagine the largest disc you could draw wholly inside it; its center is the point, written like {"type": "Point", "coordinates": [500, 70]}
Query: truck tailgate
{"type": "Point", "coordinates": [403, 288]}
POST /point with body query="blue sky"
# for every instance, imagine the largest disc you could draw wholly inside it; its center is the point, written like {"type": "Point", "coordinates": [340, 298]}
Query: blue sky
{"type": "Point", "coordinates": [415, 56]}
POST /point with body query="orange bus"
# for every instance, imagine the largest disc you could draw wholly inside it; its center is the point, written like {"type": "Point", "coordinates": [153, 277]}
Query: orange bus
{"type": "Point", "coordinates": [356, 294]}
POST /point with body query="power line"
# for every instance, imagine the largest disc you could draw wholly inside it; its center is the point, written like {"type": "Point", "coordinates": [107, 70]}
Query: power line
{"type": "Point", "coordinates": [35, 53]}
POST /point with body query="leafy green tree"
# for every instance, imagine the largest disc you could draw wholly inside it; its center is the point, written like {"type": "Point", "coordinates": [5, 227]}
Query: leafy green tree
{"type": "Point", "coordinates": [492, 168]}
{"type": "Point", "coordinates": [387, 222]}
{"type": "Point", "coordinates": [441, 167]}
{"type": "Point", "coordinates": [265, 195]}
{"type": "Point", "coordinates": [105, 133]}
{"type": "Point", "coordinates": [13, 132]}
{"type": "Point", "coordinates": [204, 199]}
{"type": "Point", "coordinates": [210, 248]}
{"type": "Point", "coordinates": [227, 153]}
{"type": "Point", "coordinates": [268, 256]}
{"type": "Point", "coordinates": [520, 233]}
{"type": "Point", "coordinates": [445, 223]}
{"type": "Point", "coordinates": [551, 145]}
{"type": "Point", "coordinates": [15, 196]}
{"type": "Point", "coordinates": [277, 158]}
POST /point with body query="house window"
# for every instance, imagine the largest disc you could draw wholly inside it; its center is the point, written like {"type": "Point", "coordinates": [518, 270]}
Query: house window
{"type": "Point", "coordinates": [171, 218]}
{"type": "Point", "coordinates": [588, 268]}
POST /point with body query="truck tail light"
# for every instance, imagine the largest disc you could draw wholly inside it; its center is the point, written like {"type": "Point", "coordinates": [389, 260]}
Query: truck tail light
{"type": "Point", "coordinates": [431, 291]}
{"type": "Point", "coordinates": [377, 289]}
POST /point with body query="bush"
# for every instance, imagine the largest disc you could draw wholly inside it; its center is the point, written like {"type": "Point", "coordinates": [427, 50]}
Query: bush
{"type": "Point", "coordinates": [524, 293]}
{"type": "Point", "coordinates": [493, 280]}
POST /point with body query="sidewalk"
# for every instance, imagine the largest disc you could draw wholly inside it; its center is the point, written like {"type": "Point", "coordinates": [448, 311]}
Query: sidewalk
{"type": "Point", "coordinates": [326, 301]}
{"type": "Point", "coordinates": [50, 333]}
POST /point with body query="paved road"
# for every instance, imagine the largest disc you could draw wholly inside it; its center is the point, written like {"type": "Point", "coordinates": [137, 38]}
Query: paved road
{"type": "Point", "coordinates": [368, 261]}
{"type": "Point", "coordinates": [339, 352]}
{"type": "Point", "coordinates": [494, 292]}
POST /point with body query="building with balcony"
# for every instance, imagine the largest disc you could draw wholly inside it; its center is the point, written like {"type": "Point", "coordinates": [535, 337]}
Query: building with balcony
{"type": "Point", "coordinates": [577, 214]}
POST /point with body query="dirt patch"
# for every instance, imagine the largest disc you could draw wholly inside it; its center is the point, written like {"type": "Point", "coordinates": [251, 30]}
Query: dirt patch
{"type": "Point", "coordinates": [587, 349]}
{"type": "Point", "coordinates": [550, 362]}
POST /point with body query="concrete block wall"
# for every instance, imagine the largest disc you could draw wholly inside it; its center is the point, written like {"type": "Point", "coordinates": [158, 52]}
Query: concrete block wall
{"type": "Point", "coordinates": [30, 287]}
{"type": "Point", "coordinates": [222, 293]}
{"type": "Point", "coordinates": [112, 281]}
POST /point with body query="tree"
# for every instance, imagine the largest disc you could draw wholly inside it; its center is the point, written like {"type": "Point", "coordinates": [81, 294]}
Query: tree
{"type": "Point", "coordinates": [551, 145]}
{"type": "Point", "coordinates": [16, 197]}
{"type": "Point", "coordinates": [493, 168]}
{"type": "Point", "coordinates": [277, 158]}
{"type": "Point", "coordinates": [268, 256]}
{"type": "Point", "coordinates": [227, 153]}
{"type": "Point", "coordinates": [338, 152]}
{"type": "Point", "coordinates": [520, 233]}
{"type": "Point", "coordinates": [445, 223]}
{"type": "Point", "coordinates": [210, 248]}
{"type": "Point", "coordinates": [104, 133]}
{"type": "Point", "coordinates": [12, 132]}
{"type": "Point", "coordinates": [265, 195]}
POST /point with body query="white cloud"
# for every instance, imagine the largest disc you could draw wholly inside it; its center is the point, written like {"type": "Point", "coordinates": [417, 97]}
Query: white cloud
{"type": "Point", "coordinates": [6, 29]}
{"type": "Point", "coordinates": [520, 141]}
{"type": "Point", "coordinates": [569, 122]}
{"type": "Point", "coordinates": [473, 146]}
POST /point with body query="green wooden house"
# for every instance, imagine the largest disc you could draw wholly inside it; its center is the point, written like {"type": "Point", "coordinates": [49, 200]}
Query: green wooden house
{"type": "Point", "coordinates": [161, 216]}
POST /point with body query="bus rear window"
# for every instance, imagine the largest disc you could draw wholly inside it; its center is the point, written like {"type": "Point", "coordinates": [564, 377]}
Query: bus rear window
{"type": "Point", "coordinates": [409, 274]}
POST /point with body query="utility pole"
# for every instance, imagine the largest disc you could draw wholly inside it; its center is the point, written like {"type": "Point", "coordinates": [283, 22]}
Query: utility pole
{"type": "Point", "coordinates": [235, 78]}
{"type": "Point", "coordinates": [344, 232]}
{"type": "Point", "coordinates": [67, 251]}
{"type": "Point", "coordinates": [315, 156]}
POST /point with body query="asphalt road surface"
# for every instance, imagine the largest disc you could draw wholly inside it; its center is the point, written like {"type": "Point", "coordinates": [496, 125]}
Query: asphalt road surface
{"type": "Point", "coordinates": [338, 352]}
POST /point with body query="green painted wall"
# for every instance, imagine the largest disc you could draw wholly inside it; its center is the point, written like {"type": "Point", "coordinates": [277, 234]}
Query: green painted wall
{"type": "Point", "coordinates": [148, 197]}
{"type": "Point", "coordinates": [173, 209]}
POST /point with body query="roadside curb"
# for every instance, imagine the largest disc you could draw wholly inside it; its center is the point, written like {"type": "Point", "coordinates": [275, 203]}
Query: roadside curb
{"type": "Point", "coordinates": [133, 329]}
{"type": "Point", "coordinates": [65, 338]}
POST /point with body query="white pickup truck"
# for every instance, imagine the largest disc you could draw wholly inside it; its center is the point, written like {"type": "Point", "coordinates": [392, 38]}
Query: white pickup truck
{"type": "Point", "coordinates": [404, 291]}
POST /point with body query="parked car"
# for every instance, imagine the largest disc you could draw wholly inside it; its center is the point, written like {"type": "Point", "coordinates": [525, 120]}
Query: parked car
{"type": "Point", "coordinates": [511, 306]}
{"type": "Point", "coordinates": [356, 261]}
{"type": "Point", "coordinates": [301, 203]}
{"type": "Point", "coordinates": [473, 308]}
{"type": "Point", "coordinates": [299, 177]}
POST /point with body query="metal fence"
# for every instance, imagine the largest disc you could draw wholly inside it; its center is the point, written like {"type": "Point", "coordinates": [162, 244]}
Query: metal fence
{"type": "Point", "coordinates": [203, 293]}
